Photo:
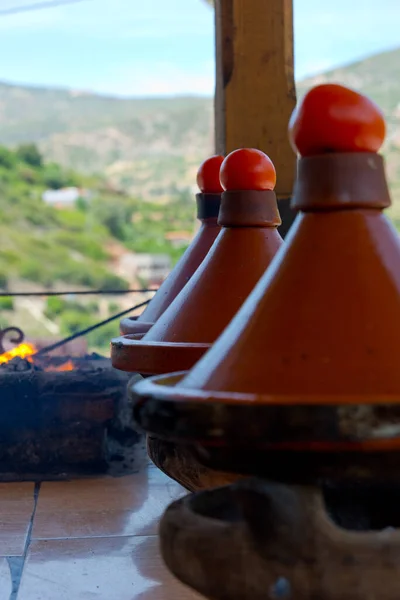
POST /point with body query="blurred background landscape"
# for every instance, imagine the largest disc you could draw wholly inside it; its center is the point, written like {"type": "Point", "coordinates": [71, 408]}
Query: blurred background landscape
{"type": "Point", "coordinates": [97, 189]}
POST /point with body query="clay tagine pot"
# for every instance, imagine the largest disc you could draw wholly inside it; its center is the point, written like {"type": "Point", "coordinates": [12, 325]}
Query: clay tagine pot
{"type": "Point", "coordinates": [319, 380]}
{"type": "Point", "coordinates": [312, 403]}
{"type": "Point", "coordinates": [208, 203]}
{"type": "Point", "coordinates": [243, 250]}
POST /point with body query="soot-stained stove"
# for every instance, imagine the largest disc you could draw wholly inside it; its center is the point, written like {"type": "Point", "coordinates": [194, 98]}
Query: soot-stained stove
{"type": "Point", "coordinates": [63, 416]}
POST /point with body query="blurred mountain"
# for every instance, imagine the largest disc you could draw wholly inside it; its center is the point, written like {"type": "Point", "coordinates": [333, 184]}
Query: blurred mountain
{"type": "Point", "coordinates": [152, 147]}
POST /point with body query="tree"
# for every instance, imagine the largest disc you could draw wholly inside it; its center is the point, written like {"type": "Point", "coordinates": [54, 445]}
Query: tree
{"type": "Point", "coordinates": [30, 155]}
{"type": "Point", "coordinates": [7, 158]}
{"type": "Point", "coordinates": [54, 176]}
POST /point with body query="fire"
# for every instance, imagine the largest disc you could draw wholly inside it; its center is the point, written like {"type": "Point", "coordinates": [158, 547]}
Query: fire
{"type": "Point", "coordinates": [26, 350]}
{"type": "Point", "coordinates": [67, 366]}
{"type": "Point", "coordinates": [23, 351]}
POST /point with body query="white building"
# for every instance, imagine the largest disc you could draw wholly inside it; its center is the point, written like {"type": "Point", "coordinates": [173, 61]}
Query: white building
{"type": "Point", "coordinates": [63, 198]}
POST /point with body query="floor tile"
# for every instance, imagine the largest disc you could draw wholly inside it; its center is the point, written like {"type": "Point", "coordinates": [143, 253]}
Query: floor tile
{"type": "Point", "coordinates": [13, 532]}
{"type": "Point", "coordinates": [16, 498]}
{"type": "Point", "coordinates": [5, 580]}
{"type": "Point", "coordinates": [16, 507]}
{"type": "Point", "coordinates": [123, 568]}
{"type": "Point", "coordinates": [129, 505]}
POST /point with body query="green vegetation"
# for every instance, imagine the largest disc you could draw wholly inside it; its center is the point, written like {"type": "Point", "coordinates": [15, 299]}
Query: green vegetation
{"type": "Point", "coordinates": [32, 245]}
{"type": "Point", "coordinates": [6, 303]}
{"type": "Point", "coordinates": [46, 245]}
{"type": "Point", "coordinates": [73, 316]}
{"type": "Point", "coordinates": [141, 226]}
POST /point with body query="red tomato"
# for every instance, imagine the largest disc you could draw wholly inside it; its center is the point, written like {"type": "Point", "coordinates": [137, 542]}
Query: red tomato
{"type": "Point", "coordinates": [208, 175]}
{"type": "Point", "coordinates": [334, 118]}
{"type": "Point", "coordinates": [247, 169]}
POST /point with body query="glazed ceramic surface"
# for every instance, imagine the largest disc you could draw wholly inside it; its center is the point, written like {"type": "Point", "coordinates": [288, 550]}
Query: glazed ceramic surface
{"type": "Point", "coordinates": [326, 376]}
{"type": "Point", "coordinates": [247, 243]}
{"type": "Point", "coordinates": [301, 389]}
{"type": "Point", "coordinates": [208, 208]}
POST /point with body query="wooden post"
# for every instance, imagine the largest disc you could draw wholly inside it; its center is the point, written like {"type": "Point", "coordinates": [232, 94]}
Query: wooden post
{"type": "Point", "coordinates": [255, 91]}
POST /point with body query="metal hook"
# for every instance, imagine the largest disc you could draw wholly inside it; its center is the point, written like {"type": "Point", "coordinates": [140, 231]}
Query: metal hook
{"type": "Point", "coordinates": [17, 337]}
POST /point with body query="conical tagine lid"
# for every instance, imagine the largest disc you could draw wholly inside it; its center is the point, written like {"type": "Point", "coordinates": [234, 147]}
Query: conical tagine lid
{"type": "Point", "coordinates": [244, 248]}
{"type": "Point", "coordinates": [208, 203]}
{"type": "Point", "coordinates": [322, 327]}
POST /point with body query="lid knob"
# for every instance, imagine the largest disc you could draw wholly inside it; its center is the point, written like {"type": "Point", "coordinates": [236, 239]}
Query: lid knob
{"type": "Point", "coordinates": [247, 169]}
{"type": "Point", "coordinates": [332, 118]}
{"type": "Point", "coordinates": [208, 175]}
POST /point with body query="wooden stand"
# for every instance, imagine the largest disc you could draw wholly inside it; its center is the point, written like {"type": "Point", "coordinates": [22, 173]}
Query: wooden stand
{"type": "Point", "coordinates": [261, 540]}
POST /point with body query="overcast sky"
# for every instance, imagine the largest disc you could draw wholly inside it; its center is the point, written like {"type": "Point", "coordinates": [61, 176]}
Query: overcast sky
{"type": "Point", "coordinates": [159, 47]}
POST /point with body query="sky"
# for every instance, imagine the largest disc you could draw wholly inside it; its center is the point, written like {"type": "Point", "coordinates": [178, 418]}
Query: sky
{"type": "Point", "coordinates": [166, 47]}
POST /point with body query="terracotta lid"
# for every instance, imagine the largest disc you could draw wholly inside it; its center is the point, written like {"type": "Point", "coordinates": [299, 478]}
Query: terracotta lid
{"type": "Point", "coordinates": [322, 327]}
{"type": "Point", "coordinates": [244, 248]}
{"type": "Point", "coordinates": [208, 203]}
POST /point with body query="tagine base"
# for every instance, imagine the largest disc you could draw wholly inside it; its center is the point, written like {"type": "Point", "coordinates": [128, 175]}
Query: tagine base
{"type": "Point", "coordinates": [282, 442]}
{"type": "Point", "coordinates": [261, 540]}
{"type": "Point", "coordinates": [180, 463]}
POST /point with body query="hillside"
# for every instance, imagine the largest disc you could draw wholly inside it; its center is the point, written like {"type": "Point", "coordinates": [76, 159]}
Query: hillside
{"type": "Point", "coordinates": [46, 247]}
{"type": "Point", "coordinates": [142, 145]}
{"type": "Point", "coordinates": [152, 147]}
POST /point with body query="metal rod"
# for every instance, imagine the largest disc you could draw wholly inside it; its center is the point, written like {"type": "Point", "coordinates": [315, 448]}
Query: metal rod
{"type": "Point", "coordinates": [74, 293]}
{"type": "Point", "coordinates": [88, 330]}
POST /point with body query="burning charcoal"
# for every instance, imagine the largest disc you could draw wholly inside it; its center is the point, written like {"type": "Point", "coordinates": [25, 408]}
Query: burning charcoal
{"type": "Point", "coordinates": [18, 364]}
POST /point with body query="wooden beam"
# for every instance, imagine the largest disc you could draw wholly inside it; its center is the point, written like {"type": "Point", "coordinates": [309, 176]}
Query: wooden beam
{"type": "Point", "coordinates": [255, 91]}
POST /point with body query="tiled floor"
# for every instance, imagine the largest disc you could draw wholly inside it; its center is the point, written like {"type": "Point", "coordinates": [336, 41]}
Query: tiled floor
{"type": "Point", "coordinates": [93, 539]}
{"type": "Point", "coordinates": [16, 507]}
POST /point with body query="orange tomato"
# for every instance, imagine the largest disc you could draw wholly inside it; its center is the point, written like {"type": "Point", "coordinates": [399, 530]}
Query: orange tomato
{"type": "Point", "coordinates": [334, 118]}
{"type": "Point", "coordinates": [247, 169]}
{"type": "Point", "coordinates": [208, 175]}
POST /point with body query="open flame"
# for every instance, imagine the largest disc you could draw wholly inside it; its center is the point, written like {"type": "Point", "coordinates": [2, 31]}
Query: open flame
{"type": "Point", "coordinates": [24, 350]}
{"type": "Point", "coordinates": [27, 350]}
